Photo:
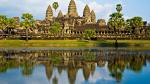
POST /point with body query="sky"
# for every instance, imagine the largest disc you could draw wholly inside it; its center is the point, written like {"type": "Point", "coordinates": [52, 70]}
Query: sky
{"type": "Point", "coordinates": [102, 8]}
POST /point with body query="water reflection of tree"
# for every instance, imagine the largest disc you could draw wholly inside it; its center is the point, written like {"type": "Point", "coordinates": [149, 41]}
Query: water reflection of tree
{"type": "Point", "coordinates": [27, 67]}
{"type": "Point", "coordinates": [136, 63]}
{"type": "Point", "coordinates": [5, 64]}
{"type": "Point", "coordinates": [117, 66]}
{"type": "Point", "coordinates": [55, 57]}
{"type": "Point", "coordinates": [89, 56]}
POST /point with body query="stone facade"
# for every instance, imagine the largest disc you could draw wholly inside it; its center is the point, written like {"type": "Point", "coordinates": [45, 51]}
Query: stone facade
{"type": "Point", "coordinates": [71, 21]}
{"type": "Point", "coordinates": [60, 14]}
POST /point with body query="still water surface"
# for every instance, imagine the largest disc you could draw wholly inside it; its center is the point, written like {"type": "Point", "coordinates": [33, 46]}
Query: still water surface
{"type": "Point", "coordinates": [74, 66]}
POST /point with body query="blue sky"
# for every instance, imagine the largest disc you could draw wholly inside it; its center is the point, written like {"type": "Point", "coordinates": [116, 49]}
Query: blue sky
{"type": "Point", "coordinates": [103, 8]}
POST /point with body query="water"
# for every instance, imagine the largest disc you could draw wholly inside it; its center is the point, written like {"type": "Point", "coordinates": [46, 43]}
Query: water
{"type": "Point", "coordinates": [74, 66]}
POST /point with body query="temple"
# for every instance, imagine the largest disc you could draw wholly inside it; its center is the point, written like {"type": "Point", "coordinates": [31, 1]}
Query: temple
{"type": "Point", "coordinates": [72, 22]}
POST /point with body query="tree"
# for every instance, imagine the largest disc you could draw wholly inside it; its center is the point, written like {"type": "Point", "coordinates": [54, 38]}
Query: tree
{"type": "Point", "coordinates": [7, 24]}
{"type": "Point", "coordinates": [55, 5]}
{"type": "Point", "coordinates": [116, 21]}
{"type": "Point", "coordinates": [55, 28]}
{"type": "Point", "coordinates": [135, 23]}
{"type": "Point", "coordinates": [27, 67]}
{"type": "Point", "coordinates": [128, 24]}
{"type": "Point", "coordinates": [11, 24]}
{"type": "Point", "coordinates": [89, 33]}
{"type": "Point", "coordinates": [119, 8]}
{"type": "Point", "coordinates": [27, 22]}
{"type": "Point", "coordinates": [3, 20]}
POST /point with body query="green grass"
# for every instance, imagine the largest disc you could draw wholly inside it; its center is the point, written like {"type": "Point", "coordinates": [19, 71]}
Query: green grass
{"type": "Point", "coordinates": [71, 43]}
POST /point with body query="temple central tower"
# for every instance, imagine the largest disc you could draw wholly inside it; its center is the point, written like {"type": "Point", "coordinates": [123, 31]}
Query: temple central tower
{"type": "Point", "coordinates": [72, 10]}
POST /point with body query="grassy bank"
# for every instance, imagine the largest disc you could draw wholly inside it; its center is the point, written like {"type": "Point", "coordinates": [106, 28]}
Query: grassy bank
{"type": "Point", "coordinates": [71, 43]}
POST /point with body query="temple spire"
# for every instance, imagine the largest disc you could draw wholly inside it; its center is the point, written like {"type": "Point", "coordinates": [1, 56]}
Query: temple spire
{"type": "Point", "coordinates": [93, 16]}
{"type": "Point", "coordinates": [87, 14]}
{"type": "Point", "coordinates": [49, 13]}
{"type": "Point", "coordinates": [72, 10]}
{"type": "Point", "coordinates": [60, 14]}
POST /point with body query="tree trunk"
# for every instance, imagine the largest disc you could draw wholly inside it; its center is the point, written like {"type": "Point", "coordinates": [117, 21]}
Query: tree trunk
{"type": "Point", "coordinates": [27, 34]}
{"type": "Point", "coordinates": [116, 39]}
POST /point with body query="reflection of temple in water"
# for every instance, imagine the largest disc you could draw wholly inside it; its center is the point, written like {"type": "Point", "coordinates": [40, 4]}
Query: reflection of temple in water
{"type": "Point", "coordinates": [72, 60]}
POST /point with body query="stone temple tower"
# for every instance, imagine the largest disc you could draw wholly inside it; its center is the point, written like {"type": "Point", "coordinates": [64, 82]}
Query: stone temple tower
{"type": "Point", "coordinates": [93, 17]}
{"type": "Point", "coordinates": [49, 13]}
{"type": "Point", "coordinates": [87, 14]}
{"type": "Point", "coordinates": [72, 10]}
{"type": "Point", "coordinates": [60, 14]}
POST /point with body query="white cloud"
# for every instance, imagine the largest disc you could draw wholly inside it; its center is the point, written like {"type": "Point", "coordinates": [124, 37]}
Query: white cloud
{"type": "Point", "coordinates": [38, 7]}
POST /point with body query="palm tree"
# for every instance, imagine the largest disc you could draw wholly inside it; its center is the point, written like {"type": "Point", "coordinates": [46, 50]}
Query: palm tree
{"type": "Point", "coordinates": [116, 21]}
{"type": "Point", "coordinates": [55, 5]}
{"type": "Point", "coordinates": [27, 22]}
{"type": "Point", "coordinates": [119, 8]}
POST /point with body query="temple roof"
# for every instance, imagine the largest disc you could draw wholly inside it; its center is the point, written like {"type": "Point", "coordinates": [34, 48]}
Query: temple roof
{"type": "Point", "coordinates": [60, 14]}
{"type": "Point", "coordinates": [72, 10]}
{"type": "Point", "coordinates": [86, 12]}
{"type": "Point", "coordinates": [93, 16]}
{"type": "Point", "coordinates": [49, 10]}
{"type": "Point", "coordinates": [49, 13]}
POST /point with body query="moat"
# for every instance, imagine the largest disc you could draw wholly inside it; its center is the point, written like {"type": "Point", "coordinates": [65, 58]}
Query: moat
{"type": "Point", "coordinates": [102, 65]}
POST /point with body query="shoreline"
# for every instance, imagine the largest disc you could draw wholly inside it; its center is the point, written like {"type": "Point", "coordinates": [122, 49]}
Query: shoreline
{"type": "Point", "coordinates": [74, 43]}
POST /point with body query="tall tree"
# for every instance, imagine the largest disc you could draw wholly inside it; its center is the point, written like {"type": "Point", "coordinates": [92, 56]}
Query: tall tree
{"type": "Point", "coordinates": [55, 28]}
{"type": "Point", "coordinates": [55, 5]}
{"type": "Point", "coordinates": [3, 20]}
{"type": "Point", "coordinates": [27, 22]}
{"type": "Point", "coordinates": [116, 21]}
{"type": "Point", "coordinates": [119, 8]}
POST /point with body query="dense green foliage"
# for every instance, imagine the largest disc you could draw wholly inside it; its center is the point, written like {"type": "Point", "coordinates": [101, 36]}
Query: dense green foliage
{"type": "Point", "coordinates": [55, 5]}
{"type": "Point", "coordinates": [7, 22]}
{"type": "Point", "coordinates": [27, 22]}
{"type": "Point", "coordinates": [134, 23]}
{"type": "Point", "coordinates": [55, 28]}
{"type": "Point", "coordinates": [116, 20]}
{"type": "Point", "coordinates": [3, 21]}
{"type": "Point", "coordinates": [89, 33]}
